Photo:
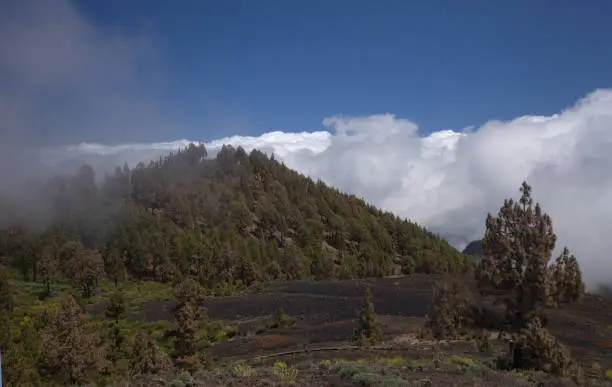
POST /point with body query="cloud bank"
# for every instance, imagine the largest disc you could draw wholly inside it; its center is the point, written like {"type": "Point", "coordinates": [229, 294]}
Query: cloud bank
{"type": "Point", "coordinates": [449, 180]}
{"type": "Point", "coordinates": [64, 81]}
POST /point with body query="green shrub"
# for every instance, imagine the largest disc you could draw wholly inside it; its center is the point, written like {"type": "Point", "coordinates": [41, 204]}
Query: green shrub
{"type": "Point", "coordinates": [369, 374]}
{"type": "Point", "coordinates": [449, 313]}
{"type": "Point", "coordinates": [280, 320]}
{"type": "Point", "coordinates": [285, 373]}
{"type": "Point", "coordinates": [243, 370]}
{"type": "Point", "coordinates": [460, 360]}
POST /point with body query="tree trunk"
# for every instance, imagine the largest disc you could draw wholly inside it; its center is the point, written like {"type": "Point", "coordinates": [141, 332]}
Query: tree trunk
{"type": "Point", "coordinates": [25, 272]}
{"type": "Point", "coordinates": [517, 355]}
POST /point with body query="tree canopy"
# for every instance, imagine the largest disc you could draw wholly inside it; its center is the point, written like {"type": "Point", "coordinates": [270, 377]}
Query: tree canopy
{"type": "Point", "coordinates": [518, 245]}
{"type": "Point", "coordinates": [228, 222]}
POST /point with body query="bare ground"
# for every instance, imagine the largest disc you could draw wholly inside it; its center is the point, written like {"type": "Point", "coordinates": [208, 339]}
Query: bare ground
{"type": "Point", "coordinates": [325, 315]}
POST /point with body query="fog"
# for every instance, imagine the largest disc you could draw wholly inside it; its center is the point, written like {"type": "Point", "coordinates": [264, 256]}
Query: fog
{"type": "Point", "coordinates": [72, 92]}
{"type": "Point", "coordinates": [64, 80]}
{"type": "Point", "coordinates": [449, 180]}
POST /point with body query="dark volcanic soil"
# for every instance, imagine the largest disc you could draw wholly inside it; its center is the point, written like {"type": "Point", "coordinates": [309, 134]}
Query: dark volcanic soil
{"type": "Point", "coordinates": [317, 302]}
{"type": "Point", "coordinates": [325, 315]}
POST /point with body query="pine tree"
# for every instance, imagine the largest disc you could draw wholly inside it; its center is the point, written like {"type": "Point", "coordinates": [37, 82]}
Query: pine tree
{"type": "Point", "coordinates": [146, 357]}
{"type": "Point", "coordinates": [114, 265]}
{"type": "Point", "coordinates": [115, 310]}
{"type": "Point", "coordinates": [278, 316]}
{"type": "Point", "coordinates": [188, 322]}
{"type": "Point", "coordinates": [49, 267]}
{"type": "Point", "coordinates": [189, 318]}
{"type": "Point", "coordinates": [450, 309]}
{"type": "Point", "coordinates": [70, 350]}
{"type": "Point", "coordinates": [576, 288]}
{"type": "Point", "coordinates": [369, 331]}
{"type": "Point", "coordinates": [566, 279]}
{"type": "Point", "coordinates": [517, 247]}
{"type": "Point", "coordinates": [536, 348]}
{"type": "Point", "coordinates": [84, 267]}
{"type": "Point", "coordinates": [279, 319]}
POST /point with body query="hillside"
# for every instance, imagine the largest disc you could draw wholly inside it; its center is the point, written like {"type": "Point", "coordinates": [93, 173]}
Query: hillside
{"type": "Point", "coordinates": [193, 271]}
{"type": "Point", "coordinates": [234, 220]}
{"type": "Point", "coordinates": [215, 226]}
{"type": "Point", "coordinates": [474, 248]}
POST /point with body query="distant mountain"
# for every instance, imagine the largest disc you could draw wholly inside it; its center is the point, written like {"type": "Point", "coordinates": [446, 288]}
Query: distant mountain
{"type": "Point", "coordinates": [457, 241]}
{"type": "Point", "coordinates": [474, 248]}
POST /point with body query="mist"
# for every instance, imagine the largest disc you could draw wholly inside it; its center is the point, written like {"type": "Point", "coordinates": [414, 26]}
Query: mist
{"type": "Point", "coordinates": [449, 180]}
{"type": "Point", "coordinates": [64, 80]}
{"type": "Point", "coordinates": [72, 92]}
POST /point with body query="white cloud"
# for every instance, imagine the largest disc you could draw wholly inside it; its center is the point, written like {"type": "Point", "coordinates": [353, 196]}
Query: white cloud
{"type": "Point", "coordinates": [449, 180]}
{"type": "Point", "coordinates": [65, 78]}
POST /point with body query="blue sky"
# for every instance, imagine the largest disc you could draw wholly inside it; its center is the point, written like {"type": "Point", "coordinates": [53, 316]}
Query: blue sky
{"type": "Point", "coordinates": [261, 65]}
{"type": "Point", "coordinates": [117, 72]}
{"type": "Point", "coordinates": [124, 71]}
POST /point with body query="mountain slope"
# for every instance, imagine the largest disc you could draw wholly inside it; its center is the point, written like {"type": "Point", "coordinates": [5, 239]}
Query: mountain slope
{"type": "Point", "coordinates": [230, 221]}
{"type": "Point", "coordinates": [474, 248]}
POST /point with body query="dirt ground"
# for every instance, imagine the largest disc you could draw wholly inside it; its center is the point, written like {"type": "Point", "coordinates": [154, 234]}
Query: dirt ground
{"type": "Point", "coordinates": [326, 312]}
{"type": "Point", "coordinates": [316, 302]}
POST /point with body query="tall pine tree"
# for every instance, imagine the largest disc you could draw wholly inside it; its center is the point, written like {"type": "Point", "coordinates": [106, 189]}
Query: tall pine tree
{"type": "Point", "coordinates": [369, 331]}
{"type": "Point", "coordinates": [115, 310]}
{"type": "Point", "coordinates": [517, 245]}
